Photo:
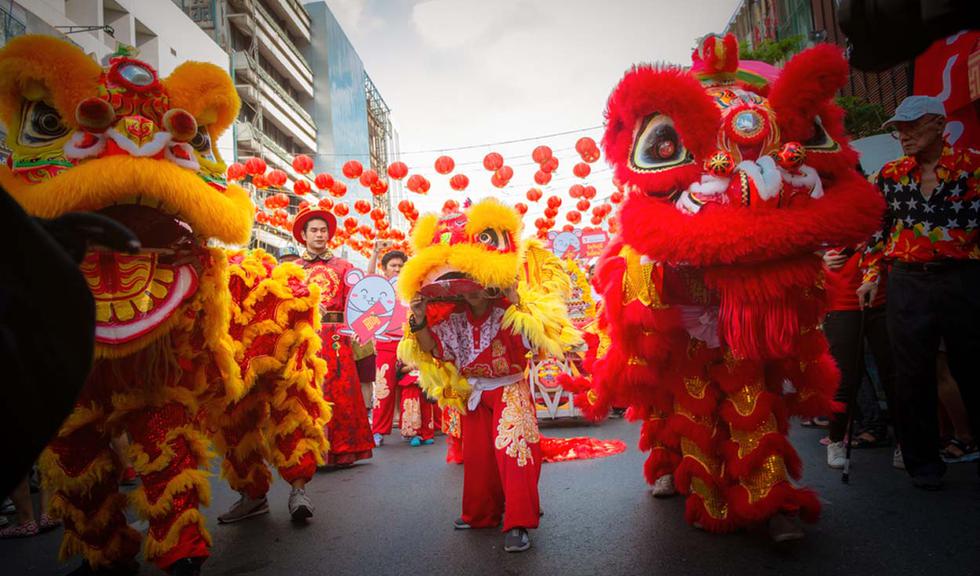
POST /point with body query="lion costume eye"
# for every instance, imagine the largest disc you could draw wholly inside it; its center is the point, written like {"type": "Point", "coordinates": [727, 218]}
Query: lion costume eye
{"type": "Point", "coordinates": [658, 146]}
{"type": "Point", "coordinates": [491, 239]}
{"type": "Point", "coordinates": [40, 125]}
{"type": "Point", "coordinates": [202, 143]}
{"type": "Point", "coordinates": [820, 139]}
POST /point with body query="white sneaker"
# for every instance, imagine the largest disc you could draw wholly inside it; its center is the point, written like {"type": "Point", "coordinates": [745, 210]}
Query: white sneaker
{"type": "Point", "coordinates": [663, 487]}
{"type": "Point", "coordinates": [836, 455]}
{"type": "Point", "coordinates": [897, 460]}
{"type": "Point", "coordinates": [783, 528]}
{"type": "Point", "coordinates": [244, 508]}
{"type": "Point", "coordinates": [378, 440]}
{"type": "Point", "coordinates": [300, 506]}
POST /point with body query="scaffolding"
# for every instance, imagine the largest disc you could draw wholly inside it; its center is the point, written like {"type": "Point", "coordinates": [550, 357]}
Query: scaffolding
{"type": "Point", "coordinates": [380, 136]}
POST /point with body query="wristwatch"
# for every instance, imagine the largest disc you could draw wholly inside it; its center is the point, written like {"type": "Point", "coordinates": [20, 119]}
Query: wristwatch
{"type": "Point", "coordinates": [416, 326]}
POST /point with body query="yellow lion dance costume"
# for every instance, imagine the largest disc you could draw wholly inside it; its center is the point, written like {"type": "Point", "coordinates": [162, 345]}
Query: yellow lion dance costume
{"type": "Point", "coordinates": [192, 341]}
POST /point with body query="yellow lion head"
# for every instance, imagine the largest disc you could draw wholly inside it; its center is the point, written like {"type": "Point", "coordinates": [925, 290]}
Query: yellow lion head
{"type": "Point", "coordinates": [481, 244]}
{"type": "Point", "coordinates": [141, 149]}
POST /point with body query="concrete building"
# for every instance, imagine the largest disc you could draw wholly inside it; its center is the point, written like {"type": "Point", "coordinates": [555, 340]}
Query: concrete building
{"type": "Point", "coordinates": [164, 35]}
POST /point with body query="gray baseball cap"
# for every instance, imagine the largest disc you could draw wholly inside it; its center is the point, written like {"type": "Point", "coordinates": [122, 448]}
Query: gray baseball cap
{"type": "Point", "coordinates": [915, 107]}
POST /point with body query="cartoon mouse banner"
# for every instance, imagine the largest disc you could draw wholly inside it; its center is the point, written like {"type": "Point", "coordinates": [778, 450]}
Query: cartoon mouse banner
{"type": "Point", "coordinates": [373, 311]}
{"type": "Point", "coordinates": [579, 243]}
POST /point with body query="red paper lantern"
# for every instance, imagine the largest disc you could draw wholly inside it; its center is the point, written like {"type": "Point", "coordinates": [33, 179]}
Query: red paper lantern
{"type": "Point", "coordinates": [450, 206]}
{"type": "Point", "coordinates": [550, 222]}
{"type": "Point", "coordinates": [323, 181]}
{"type": "Point", "coordinates": [269, 202]}
{"type": "Point", "coordinates": [574, 216]}
{"type": "Point", "coordinates": [541, 154]}
{"type": "Point", "coordinates": [550, 166]}
{"type": "Point", "coordinates": [352, 169]}
{"type": "Point", "coordinates": [302, 164]}
{"type": "Point", "coordinates": [261, 217]}
{"type": "Point", "coordinates": [581, 170]}
{"type": "Point", "coordinates": [521, 208]}
{"type": "Point", "coordinates": [338, 189]}
{"type": "Point", "coordinates": [362, 206]}
{"type": "Point", "coordinates": [276, 178]}
{"type": "Point", "coordinates": [381, 225]}
{"type": "Point", "coordinates": [236, 171]}
{"type": "Point", "coordinates": [459, 182]}
{"type": "Point", "coordinates": [405, 206]}
{"type": "Point", "coordinates": [567, 228]}
{"type": "Point", "coordinates": [301, 187]}
{"type": "Point", "coordinates": [413, 183]}
{"type": "Point", "coordinates": [350, 224]}
{"type": "Point", "coordinates": [282, 200]}
{"type": "Point", "coordinates": [424, 185]}
{"type": "Point", "coordinates": [255, 166]}
{"type": "Point", "coordinates": [588, 192]}
{"type": "Point", "coordinates": [575, 190]}
{"type": "Point", "coordinates": [596, 220]}
{"type": "Point", "coordinates": [585, 145]}
{"type": "Point", "coordinates": [368, 177]}
{"type": "Point", "coordinates": [616, 197]}
{"type": "Point", "coordinates": [341, 209]}
{"type": "Point", "coordinates": [606, 209]}
{"type": "Point", "coordinates": [493, 161]}
{"type": "Point", "coordinates": [542, 178]}
{"type": "Point", "coordinates": [377, 214]}
{"type": "Point", "coordinates": [497, 181]}
{"type": "Point", "coordinates": [379, 187]}
{"type": "Point", "coordinates": [505, 173]}
{"type": "Point", "coordinates": [260, 181]}
{"type": "Point", "coordinates": [550, 212]}
{"type": "Point", "coordinates": [539, 223]}
{"type": "Point", "coordinates": [583, 205]}
{"type": "Point", "coordinates": [554, 202]}
{"type": "Point", "coordinates": [445, 164]}
{"type": "Point", "coordinates": [534, 194]}
{"type": "Point", "coordinates": [397, 170]}
{"type": "Point", "coordinates": [303, 204]}
{"type": "Point", "coordinates": [325, 203]}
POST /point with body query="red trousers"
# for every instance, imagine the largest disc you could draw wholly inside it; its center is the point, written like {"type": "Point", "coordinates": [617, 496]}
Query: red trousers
{"type": "Point", "coordinates": [418, 413]}
{"type": "Point", "coordinates": [502, 460]}
{"type": "Point", "coordinates": [383, 411]}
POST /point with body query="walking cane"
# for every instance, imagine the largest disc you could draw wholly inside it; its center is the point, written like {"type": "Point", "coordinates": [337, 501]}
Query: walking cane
{"type": "Point", "coordinates": [845, 476]}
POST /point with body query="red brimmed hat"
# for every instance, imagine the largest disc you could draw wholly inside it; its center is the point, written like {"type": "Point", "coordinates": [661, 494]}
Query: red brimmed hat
{"type": "Point", "coordinates": [304, 216]}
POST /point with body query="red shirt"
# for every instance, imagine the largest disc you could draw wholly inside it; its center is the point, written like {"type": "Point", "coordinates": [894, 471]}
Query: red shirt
{"type": "Point", "coordinates": [479, 347]}
{"type": "Point", "coordinates": [944, 227]}
{"type": "Point", "coordinates": [328, 272]}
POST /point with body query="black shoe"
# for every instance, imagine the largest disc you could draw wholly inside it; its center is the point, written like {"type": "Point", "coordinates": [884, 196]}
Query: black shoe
{"type": "Point", "coordinates": [186, 567]}
{"type": "Point", "coordinates": [460, 524]}
{"type": "Point", "coordinates": [129, 568]}
{"type": "Point", "coordinates": [929, 482]}
{"type": "Point", "coordinates": [517, 540]}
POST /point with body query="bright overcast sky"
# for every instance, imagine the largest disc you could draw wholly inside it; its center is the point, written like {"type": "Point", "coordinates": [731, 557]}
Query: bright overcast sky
{"type": "Point", "coordinates": [464, 72]}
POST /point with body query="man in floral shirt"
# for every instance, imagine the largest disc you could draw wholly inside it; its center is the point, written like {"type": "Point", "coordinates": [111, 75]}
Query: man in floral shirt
{"type": "Point", "coordinates": [929, 236]}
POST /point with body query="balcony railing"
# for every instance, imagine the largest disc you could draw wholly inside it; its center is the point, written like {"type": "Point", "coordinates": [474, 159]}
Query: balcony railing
{"type": "Point", "coordinates": [271, 82]}
{"type": "Point", "coordinates": [11, 26]}
{"type": "Point", "coordinates": [271, 22]}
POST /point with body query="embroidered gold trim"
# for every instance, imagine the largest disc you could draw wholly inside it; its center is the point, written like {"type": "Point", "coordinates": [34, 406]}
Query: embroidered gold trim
{"type": "Point", "coordinates": [714, 504]}
{"type": "Point", "coordinates": [518, 425]}
{"type": "Point", "coordinates": [748, 440]}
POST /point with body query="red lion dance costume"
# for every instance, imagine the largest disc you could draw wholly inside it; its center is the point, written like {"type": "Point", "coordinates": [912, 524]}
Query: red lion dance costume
{"type": "Point", "coordinates": [712, 292]}
{"type": "Point", "coordinates": [193, 342]}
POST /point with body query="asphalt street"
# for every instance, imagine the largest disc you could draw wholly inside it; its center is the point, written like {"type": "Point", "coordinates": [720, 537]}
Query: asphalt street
{"type": "Point", "coordinates": [393, 515]}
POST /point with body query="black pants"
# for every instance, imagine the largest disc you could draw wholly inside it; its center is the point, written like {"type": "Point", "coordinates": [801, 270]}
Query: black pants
{"type": "Point", "coordinates": [843, 331]}
{"type": "Point", "coordinates": [925, 305]}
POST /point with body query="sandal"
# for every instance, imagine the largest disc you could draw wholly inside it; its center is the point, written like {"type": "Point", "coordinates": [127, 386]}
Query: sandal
{"type": "Point", "coordinates": [816, 422]}
{"type": "Point", "coordinates": [958, 451]}
{"type": "Point", "coordinates": [25, 530]}
{"type": "Point", "coordinates": [868, 439]}
{"type": "Point", "coordinates": [48, 523]}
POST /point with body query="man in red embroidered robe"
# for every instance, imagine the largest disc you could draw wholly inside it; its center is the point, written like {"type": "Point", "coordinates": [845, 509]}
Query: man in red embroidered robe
{"type": "Point", "coordinates": [348, 431]}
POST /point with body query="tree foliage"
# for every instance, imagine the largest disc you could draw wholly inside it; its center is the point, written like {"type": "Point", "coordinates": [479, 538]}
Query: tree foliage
{"type": "Point", "coordinates": [772, 51]}
{"type": "Point", "coordinates": [861, 118]}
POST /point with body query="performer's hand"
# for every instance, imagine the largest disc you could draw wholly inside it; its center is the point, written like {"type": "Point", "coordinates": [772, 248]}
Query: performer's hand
{"type": "Point", "coordinates": [835, 259]}
{"type": "Point", "coordinates": [418, 306]}
{"type": "Point", "coordinates": [511, 294]}
{"type": "Point", "coordinates": [866, 294]}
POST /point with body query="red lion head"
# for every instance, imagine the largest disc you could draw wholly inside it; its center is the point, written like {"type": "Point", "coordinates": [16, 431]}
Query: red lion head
{"type": "Point", "coordinates": [730, 163]}
{"type": "Point", "coordinates": [740, 171]}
